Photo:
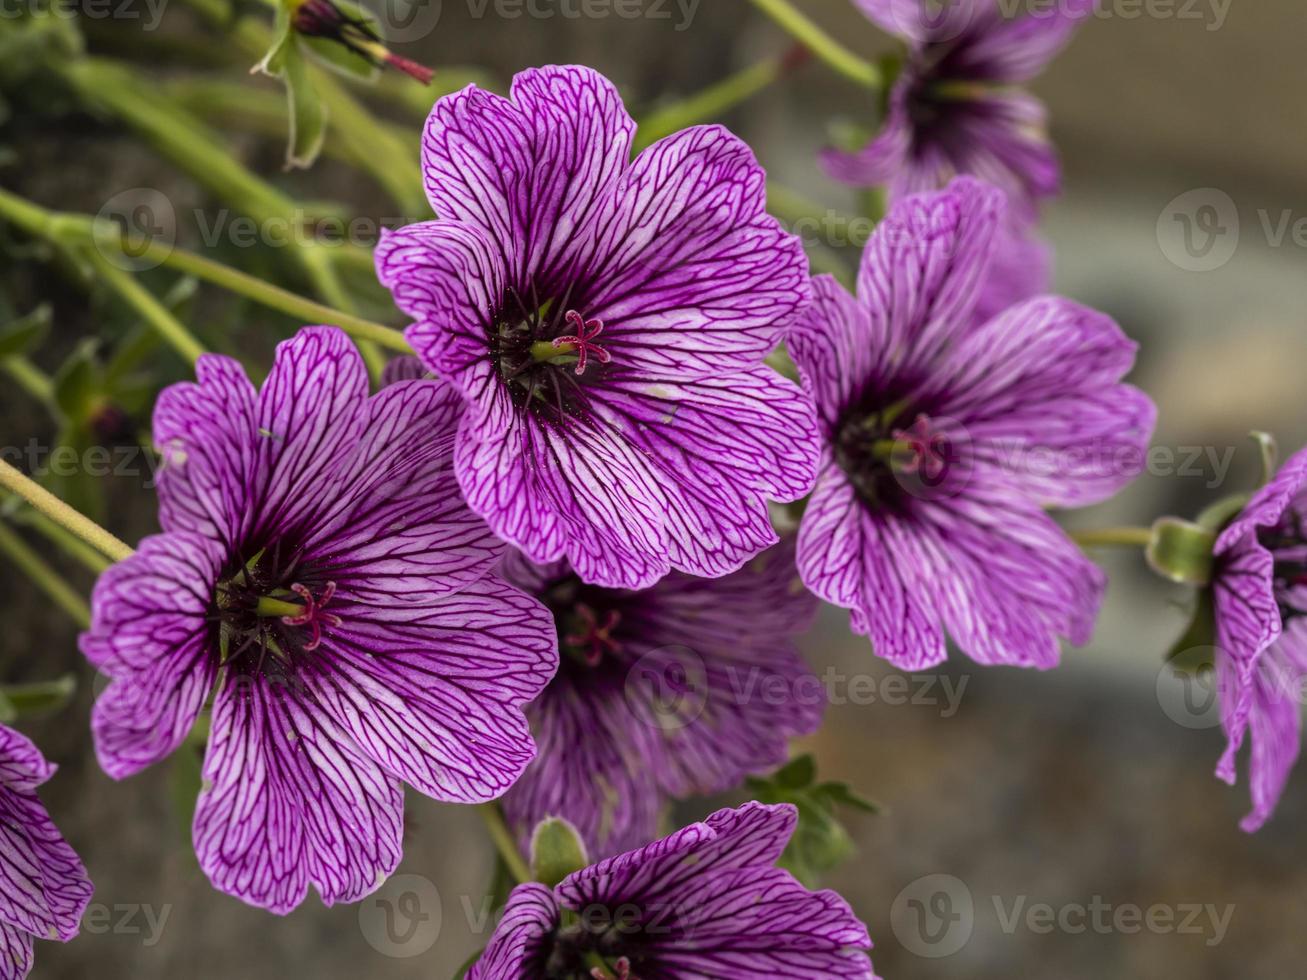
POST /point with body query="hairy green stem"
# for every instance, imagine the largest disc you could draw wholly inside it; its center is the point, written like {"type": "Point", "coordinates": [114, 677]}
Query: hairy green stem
{"type": "Point", "coordinates": [821, 44]}
{"type": "Point", "coordinates": [45, 577]}
{"type": "Point", "coordinates": [52, 507]}
{"type": "Point", "coordinates": [504, 842]}
{"type": "Point", "coordinates": [70, 543]}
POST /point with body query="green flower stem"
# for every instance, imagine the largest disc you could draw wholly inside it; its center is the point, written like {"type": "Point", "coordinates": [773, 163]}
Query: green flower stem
{"type": "Point", "coordinates": [131, 292]}
{"type": "Point", "coordinates": [1113, 537]}
{"type": "Point", "coordinates": [30, 378]}
{"type": "Point", "coordinates": [50, 582]}
{"type": "Point", "coordinates": [65, 227]}
{"type": "Point", "coordinates": [52, 507]}
{"type": "Point", "coordinates": [504, 842]}
{"type": "Point", "coordinates": [713, 101]}
{"type": "Point", "coordinates": [821, 44]}
{"type": "Point", "coordinates": [805, 218]}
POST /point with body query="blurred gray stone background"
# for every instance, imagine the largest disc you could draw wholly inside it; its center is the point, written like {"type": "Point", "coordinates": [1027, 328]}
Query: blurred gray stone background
{"type": "Point", "coordinates": [1073, 789]}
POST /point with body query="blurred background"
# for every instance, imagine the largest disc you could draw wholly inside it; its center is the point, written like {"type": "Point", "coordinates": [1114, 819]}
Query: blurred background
{"type": "Point", "coordinates": [1088, 788]}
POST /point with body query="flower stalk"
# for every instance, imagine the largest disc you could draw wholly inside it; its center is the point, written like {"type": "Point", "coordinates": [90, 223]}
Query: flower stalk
{"type": "Point", "coordinates": [504, 843]}
{"type": "Point", "coordinates": [1113, 537]}
{"type": "Point", "coordinates": [44, 576]}
{"type": "Point", "coordinates": [52, 507]}
{"type": "Point", "coordinates": [821, 44]}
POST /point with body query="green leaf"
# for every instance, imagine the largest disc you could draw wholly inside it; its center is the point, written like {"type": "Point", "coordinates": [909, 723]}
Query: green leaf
{"type": "Point", "coordinates": [1181, 551]}
{"type": "Point", "coordinates": [308, 113]}
{"type": "Point", "coordinates": [39, 698]}
{"type": "Point", "coordinates": [21, 336]}
{"type": "Point", "coordinates": [77, 383]}
{"type": "Point", "coordinates": [820, 841]}
{"type": "Point", "coordinates": [556, 851]}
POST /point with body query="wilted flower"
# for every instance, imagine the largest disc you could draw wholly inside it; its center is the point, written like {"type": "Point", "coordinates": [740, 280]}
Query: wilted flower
{"type": "Point", "coordinates": [43, 885]}
{"type": "Point", "coordinates": [321, 577]}
{"type": "Point", "coordinates": [704, 902]}
{"type": "Point", "coordinates": [1260, 592]}
{"type": "Point", "coordinates": [680, 689]}
{"type": "Point", "coordinates": [956, 108]}
{"type": "Point", "coordinates": [946, 438]}
{"type": "Point", "coordinates": [606, 321]}
{"type": "Point", "coordinates": [354, 29]}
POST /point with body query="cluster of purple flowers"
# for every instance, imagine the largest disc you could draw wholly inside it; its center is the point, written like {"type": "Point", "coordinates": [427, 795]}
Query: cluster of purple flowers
{"type": "Point", "coordinates": [539, 565]}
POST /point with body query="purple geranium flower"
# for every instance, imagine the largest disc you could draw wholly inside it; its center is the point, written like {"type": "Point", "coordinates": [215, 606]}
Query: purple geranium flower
{"type": "Point", "coordinates": [606, 321]}
{"type": "Point", "coordinates": [43, 885]}
{"type": "Point", "coordinates": [955, 108]}
{"type": "Point", "coordinates": [1260, 592]}
{"type": "Point", "coordinates": [706, 903]}
{"type": "Point", "coordinates": [946, 438]}
{"type": "Point", "coordinates": [321, 575]}
{"type": "Point", "coordinates": [680, 689]}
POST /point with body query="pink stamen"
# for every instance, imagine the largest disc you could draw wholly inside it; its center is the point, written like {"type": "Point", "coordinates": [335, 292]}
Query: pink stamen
{"type": "Point", "coordinates": [582, 340]}
{"type": "Point", "coordinates": [313, 615]}
{"type": "Point", "coordinates": [596, 638]}
{"type": "Point", "coordinates": [623, 967]}
{"type": "Point", "coordinates": [928, 448]}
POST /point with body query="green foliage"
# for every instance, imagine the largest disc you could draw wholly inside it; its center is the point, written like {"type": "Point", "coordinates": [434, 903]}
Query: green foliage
{"type": "Point", "coordinates": [40, 698]}
{"type": "Point", "coordinates": [820, 841]}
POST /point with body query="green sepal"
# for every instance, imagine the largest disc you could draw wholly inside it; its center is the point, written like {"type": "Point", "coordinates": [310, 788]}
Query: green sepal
{"type": "Point", "coordinates": [1218, 515]}
{"type": "Point", "coordinates": [820, 841]}
{"type": "Point", "coordinates": [1269, 452]}
{"type": "Point", "coordinates": [556, 851]}
{"type": "Point", "coordinates": [21, 336]}
{"type": "Point", "coordinates": [1192, 652]}
{"type": "Point", "coordinates": [285, 60]}
{"type": "Point", "coordinates": [1181, 551]}
{"type": "Point", "coordinates": [38, 698]}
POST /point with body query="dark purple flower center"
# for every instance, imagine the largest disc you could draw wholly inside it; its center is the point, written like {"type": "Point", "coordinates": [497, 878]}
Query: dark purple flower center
{"type": "Point", "coordinates": [890, 449]}
{"type": "Point", "coordinates": [269, 613]}
{"type": "Point", "coordinates": [547, 351]}
{"type": "Point", "coordinates": [588, 619]}
{"type": "Point", "coordinates": [1287, 543]}
{"type": "Point", "coordinates": [597, 945]}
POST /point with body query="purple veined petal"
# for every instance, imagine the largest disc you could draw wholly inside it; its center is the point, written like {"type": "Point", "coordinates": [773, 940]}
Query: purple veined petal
{"type": "Point", "coordinates": [922, 271]}
{"type": "Point", "coordinates": [205, 433]}
{"type": "Point", "coordinates": [1001, 139]}
{"type": "Point", "coordinates": [1038, 391]}
{"type": "Point", "coordinates": [920, 22]}
{"type": "Point", "coordinates": [751, 836]}
{"type": "Point", "coordinates": [289, 801]}
{"type": "Point", "coordinates": [43, 885]}
{"type": "Point", "coordinates": [312, 404]}
{"type": "Point", "coordinates": [761, 922]}
{"type": "Point", "coordinates": [835, 349]}
{"type": "Point", "coordinates": [1021, 270]}
{"type": "Point", "coordinates": [22, 766]}
{"type": "Point", "coordinates": [449, 278]}
{"type": "Point", "coordinates": [692, 276]}
{"type": "Point", "coordinates": [1275, 722]}
{"type": "Point", "coordinates": [398, 530]}
{"type": "Point", "coordinates": [719, 448]}
{"type": "Point", "coordinates": [435, 694]}
{"type": "Point", "coordinates": [888, 159]}
{"type": "Point", "coordinates": [584, 493]}
{"type": "Point", "coordinates": [1015, 49]}
{"type": "Point", "coordinates": [406, 368]}
{"type": "Point", "coordinates": [872, 564]}
{"type": "Point", "coordinates": [513, 952]}
{"type": "Point", "coordinates": [532, 172]}
{"type": "Point", "coordinates": [16, 957]}
{"type": "Point", "coordinates": [150, 635]}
